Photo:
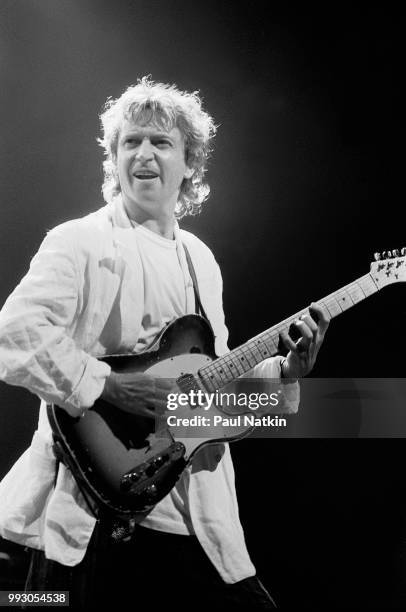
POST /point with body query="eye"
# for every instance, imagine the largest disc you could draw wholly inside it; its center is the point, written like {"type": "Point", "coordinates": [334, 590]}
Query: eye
{"type": "Point", "coordinates": [163, 143]}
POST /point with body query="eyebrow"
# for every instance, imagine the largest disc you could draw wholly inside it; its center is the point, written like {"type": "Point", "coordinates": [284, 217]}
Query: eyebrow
{"type": "Point", "coordinates": [132, 132]}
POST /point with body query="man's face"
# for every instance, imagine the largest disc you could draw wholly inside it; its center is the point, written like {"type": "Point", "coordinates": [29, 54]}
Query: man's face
{"type": "Point", "coordinates": [151, 167]}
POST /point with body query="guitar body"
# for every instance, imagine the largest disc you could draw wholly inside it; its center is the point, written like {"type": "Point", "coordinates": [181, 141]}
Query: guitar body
{"type": "Point", "coordinates": [121, 461]}
{"type": "Point", "coordinates": [118, 458]}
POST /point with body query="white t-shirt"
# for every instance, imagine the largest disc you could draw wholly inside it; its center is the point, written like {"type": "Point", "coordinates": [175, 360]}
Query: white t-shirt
{"type": "Point", "coordinates": [165, 285]}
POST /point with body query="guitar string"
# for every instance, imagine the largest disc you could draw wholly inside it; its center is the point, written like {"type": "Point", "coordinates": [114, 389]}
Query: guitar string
{"type": "Point", "coordinates": [356, 291]}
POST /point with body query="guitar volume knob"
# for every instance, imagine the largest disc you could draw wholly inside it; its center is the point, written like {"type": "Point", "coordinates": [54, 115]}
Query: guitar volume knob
{"type": "Point", "coordinates": [151, 492]}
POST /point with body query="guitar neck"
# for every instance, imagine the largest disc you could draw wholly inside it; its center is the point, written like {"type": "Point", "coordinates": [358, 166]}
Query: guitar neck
{"type": "Point", "coordinates": [242, 359]}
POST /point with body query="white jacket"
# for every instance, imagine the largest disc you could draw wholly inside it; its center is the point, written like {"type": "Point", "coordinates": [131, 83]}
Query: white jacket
{"type": "Point", "coordinates": [81, 299]}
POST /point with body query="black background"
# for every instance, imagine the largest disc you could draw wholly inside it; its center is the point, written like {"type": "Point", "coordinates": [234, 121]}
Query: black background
{"type": "Point", "coordinates": [306, 185]}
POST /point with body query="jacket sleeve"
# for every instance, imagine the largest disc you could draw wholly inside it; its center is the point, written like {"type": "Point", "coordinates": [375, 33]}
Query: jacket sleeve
{"type": "Point", "coordinates": [37, 350]}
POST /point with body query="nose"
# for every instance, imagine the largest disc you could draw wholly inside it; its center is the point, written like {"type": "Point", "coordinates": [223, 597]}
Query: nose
{"type": "Point", "coordinates": [144, 152]}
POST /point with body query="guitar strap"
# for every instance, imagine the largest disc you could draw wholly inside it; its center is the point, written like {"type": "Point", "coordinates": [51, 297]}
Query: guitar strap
{"type": "Point", "coordinates": [198, 303]}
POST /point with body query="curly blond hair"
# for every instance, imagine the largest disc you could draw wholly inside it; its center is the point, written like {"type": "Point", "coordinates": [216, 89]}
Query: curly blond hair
{"type": "Point", "coordinates": [166, 107]}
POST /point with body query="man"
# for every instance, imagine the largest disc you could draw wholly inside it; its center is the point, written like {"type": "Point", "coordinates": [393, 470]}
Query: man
{"type": "Point", "coordinates": [107, 284]}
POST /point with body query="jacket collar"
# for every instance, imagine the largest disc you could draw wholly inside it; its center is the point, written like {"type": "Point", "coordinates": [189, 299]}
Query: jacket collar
{"type": "Point", "coordinates": [124, 236]}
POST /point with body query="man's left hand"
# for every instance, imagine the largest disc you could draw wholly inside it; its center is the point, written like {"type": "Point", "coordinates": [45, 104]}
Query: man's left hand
{"type": "Point", "coordinates": [302, 353]}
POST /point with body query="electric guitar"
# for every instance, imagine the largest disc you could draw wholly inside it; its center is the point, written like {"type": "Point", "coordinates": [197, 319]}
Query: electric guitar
{"type": "Point", "coordinates": [122, 461]}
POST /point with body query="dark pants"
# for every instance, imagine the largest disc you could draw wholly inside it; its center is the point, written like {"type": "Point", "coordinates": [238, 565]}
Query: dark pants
{"type": "Point", "coordinates": [153, 569]}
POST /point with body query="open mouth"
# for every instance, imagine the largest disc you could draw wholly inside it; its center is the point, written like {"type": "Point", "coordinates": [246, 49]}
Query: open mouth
{"type": "Point", "coordinates": [143, 175]}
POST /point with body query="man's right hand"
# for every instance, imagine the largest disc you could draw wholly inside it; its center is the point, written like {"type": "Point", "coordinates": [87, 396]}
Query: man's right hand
{"type": "Point", "coordinates": [137, 393]}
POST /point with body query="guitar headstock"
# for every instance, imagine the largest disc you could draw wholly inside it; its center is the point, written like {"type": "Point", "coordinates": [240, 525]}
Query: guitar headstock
{"type": "Point", "coordinates": [389, 267]}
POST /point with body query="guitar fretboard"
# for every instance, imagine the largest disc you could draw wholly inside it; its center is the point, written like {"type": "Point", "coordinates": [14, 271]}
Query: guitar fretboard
{"type": "Point", "coordinates": [240, 360]}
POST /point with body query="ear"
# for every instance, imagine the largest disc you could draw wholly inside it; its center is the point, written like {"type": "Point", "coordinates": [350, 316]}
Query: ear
{"type": "Point", "coordinates": [188, 172]}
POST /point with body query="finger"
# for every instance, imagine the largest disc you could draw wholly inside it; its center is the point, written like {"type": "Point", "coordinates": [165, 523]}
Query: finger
{"type": "Point", "coordinates": [157, 408]}
{"type": "Point", "coordinates": [322, 315]}
{"type": "Point", "coordinates": [288, 342]}
{"type": "Point", "coordinates": [306, 338]}
{"type": "Point", "coordinates": [305, 331]}
{"type": "Point", "coordinates": [163, 390]}
{"type": "Point", "coordinates": [164, 384]}
{"type": "Point", "coordinates": [161, 395]}
{"type": "Point", "coordinates": [311, 324]}
{"type": "Point", "coordinates": [149, 413]}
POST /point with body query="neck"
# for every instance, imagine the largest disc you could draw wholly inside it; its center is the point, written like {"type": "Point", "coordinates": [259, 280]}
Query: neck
{"type": "Point", "coordinates": [162, 224]}
{"type": "Point", "coordinates": [163, 227]}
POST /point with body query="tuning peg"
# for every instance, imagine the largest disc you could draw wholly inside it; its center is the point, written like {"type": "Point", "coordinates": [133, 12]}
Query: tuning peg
{"type": "Point", "coordinates": [403, 251]}
{"type": "Point", "coordinates": [377, 256]}
{"type": "Point", "coordinates": [395, 253]}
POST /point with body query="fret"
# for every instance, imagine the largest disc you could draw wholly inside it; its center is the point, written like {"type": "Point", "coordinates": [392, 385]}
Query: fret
{"type": "Point", "coordinates": [332, 306]}
{"type": "Point", "coordinates": [242, 356]}
{"type": "Point", "coordinates": [255, 352]}
{"type": "Point", "coordinates": [209, 379]}
{"type": "Point", "coordinates": [343, 297]}
{"type": "Point", "coordinates": [276, 340]}
{"type": "Point", "coordinates": [262, 347]}
{"type": "Point", "coordinates": [239, 361]}
{"type": "Point", "coordinates": [207, 374]}
{"type": "Point", "coordinates": [223, 369]}
{"type": "Point", "coordinates": [357, 293]}
{"type": "Point", "coordinates": [249, 356]}
{"type": "Point", "coordinates": [270, 342]}
{"type": "Point", "coordinates": [284, 329]}
{"type": "Point", "coordinates": [369, 286]}
{"type": "Point", "coordinates": [233, 363]}
{"type": "Point", "coordinates": [284, 326]}
{"type": "Point", "coordinates": [348, 296]}
{"type": "Point", "coordinates": [218, 372]}
{"type": "Point", "coordinates": [344, 300]}
{"type": "Point", "coordinates": [216, 379]}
